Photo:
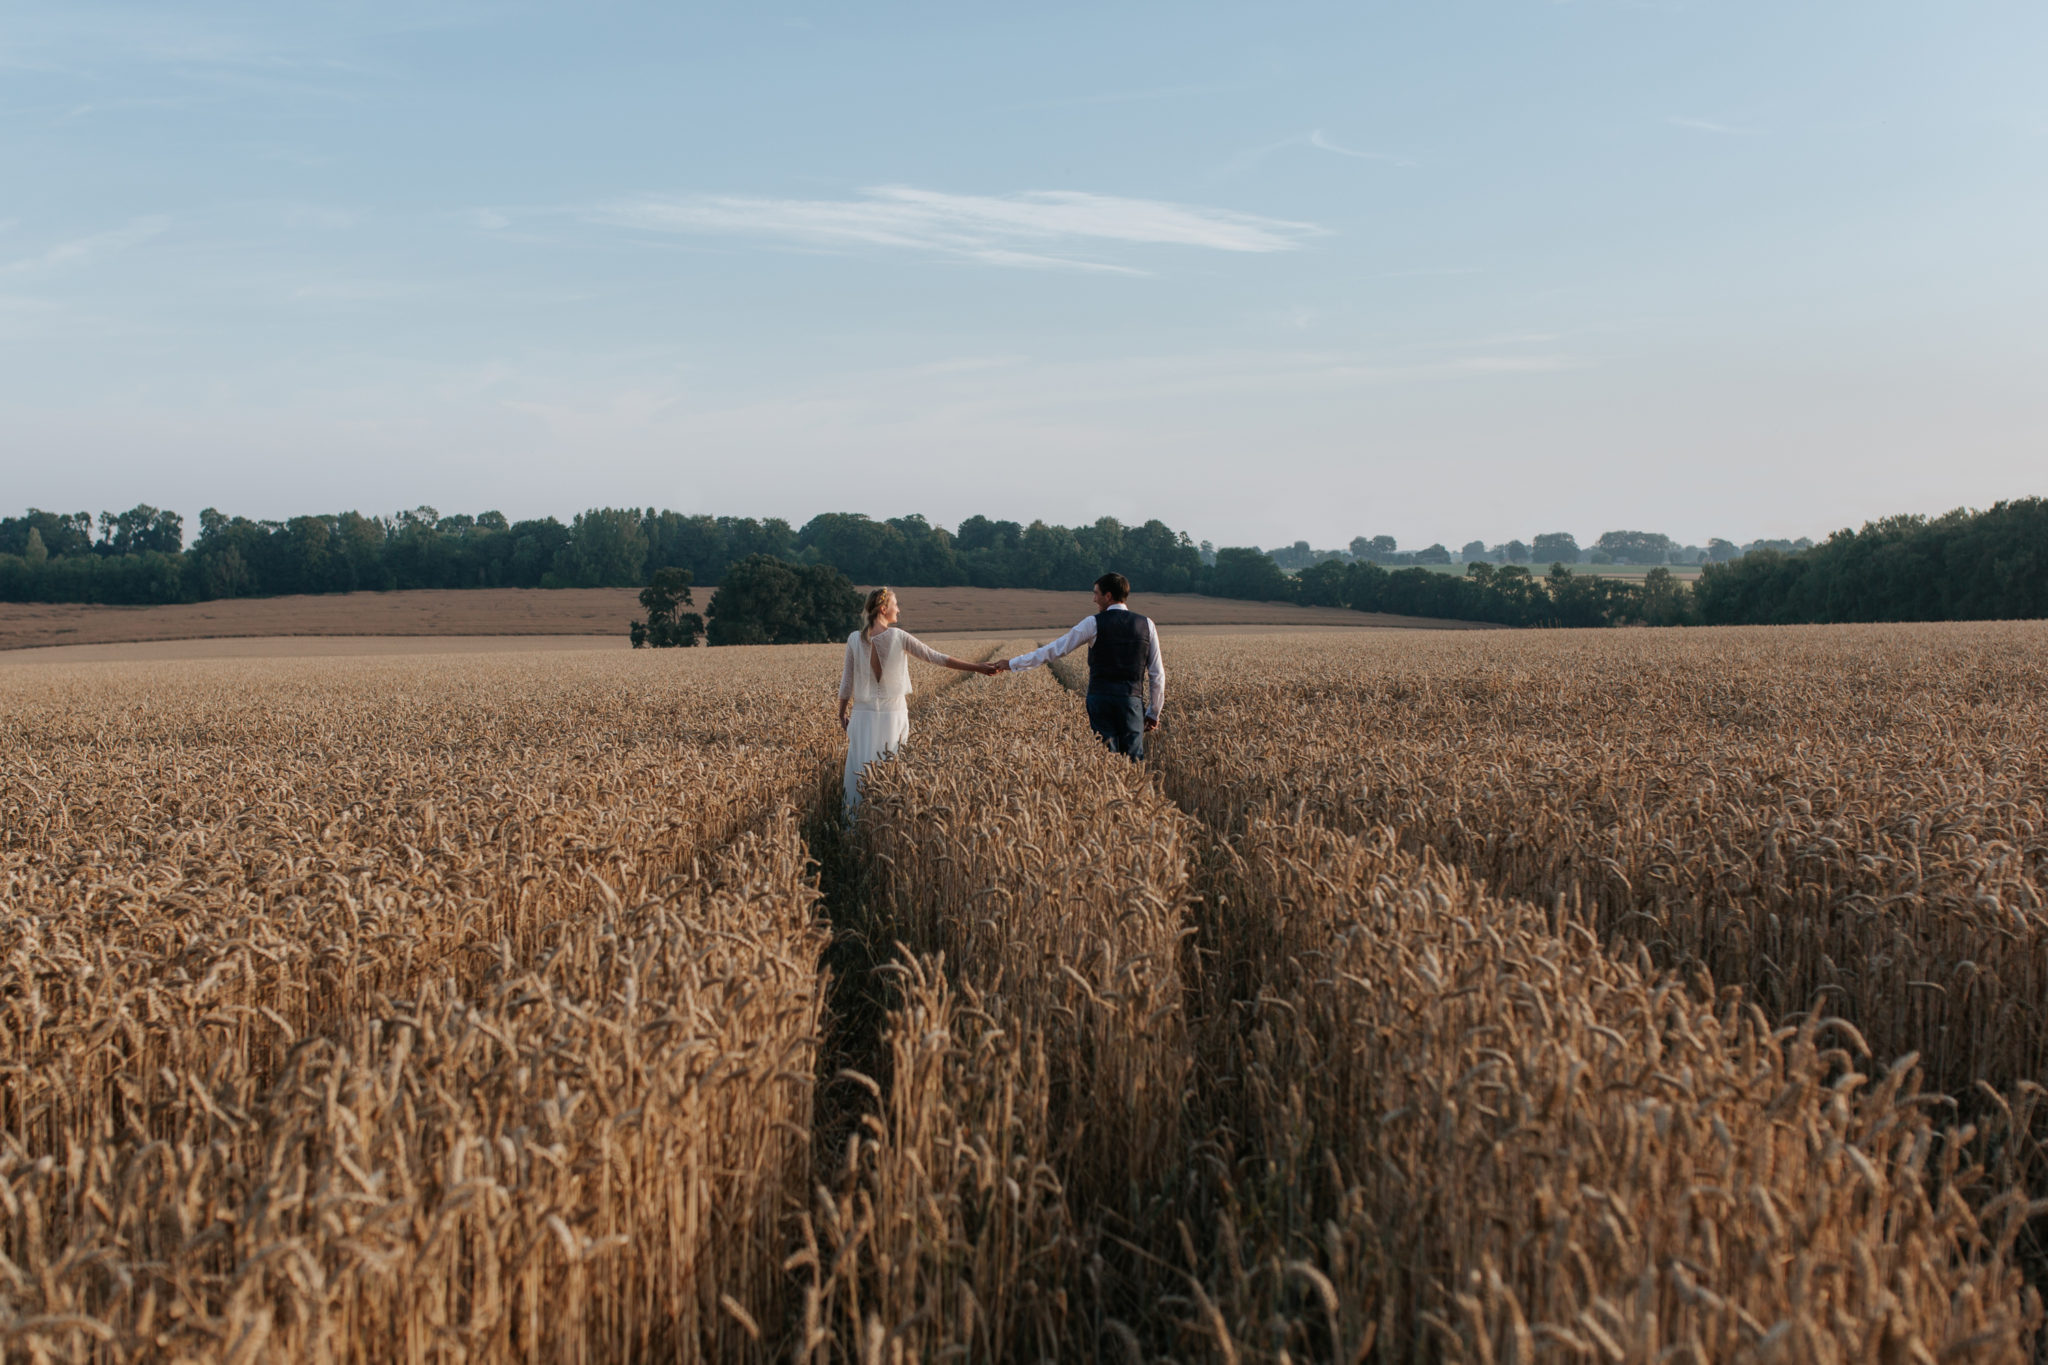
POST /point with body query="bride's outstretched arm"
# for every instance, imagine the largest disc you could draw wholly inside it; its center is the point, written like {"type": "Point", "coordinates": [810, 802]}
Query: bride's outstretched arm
{"type": "Point", "coordinates": [846, 688]}
{"type": "Point", "coordinates": [932, 656]}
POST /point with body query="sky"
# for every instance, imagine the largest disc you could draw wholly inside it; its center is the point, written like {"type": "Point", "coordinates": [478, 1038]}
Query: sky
{"type": "Point", "coordinates": [1443, 270]}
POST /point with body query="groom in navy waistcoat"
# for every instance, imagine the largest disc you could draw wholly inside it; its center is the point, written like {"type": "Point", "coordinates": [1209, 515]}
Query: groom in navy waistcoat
{"type": "Point", "coordinates": [1126, 677]}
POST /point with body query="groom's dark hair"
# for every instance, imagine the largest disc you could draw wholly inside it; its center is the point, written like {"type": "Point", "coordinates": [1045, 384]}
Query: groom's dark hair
{"type": "Point", "coordinates": [1114, 586]}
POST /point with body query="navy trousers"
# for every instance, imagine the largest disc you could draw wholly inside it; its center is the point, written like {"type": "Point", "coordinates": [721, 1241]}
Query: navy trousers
{"type": "Point", "coordinates": [1119, 717]}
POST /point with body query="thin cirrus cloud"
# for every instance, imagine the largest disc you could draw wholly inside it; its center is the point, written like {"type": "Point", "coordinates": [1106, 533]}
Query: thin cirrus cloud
{"type": "Point", "coordinates": [80, 250]}
{"type": "Point", "coordinates": [1707, 125]}
{"type": "Point", "coordinates": [1323, 142]}
{"type": "Point", "coordinates": [1059, 229]}
{"type": "Point", "coordinates": [1316, 140]}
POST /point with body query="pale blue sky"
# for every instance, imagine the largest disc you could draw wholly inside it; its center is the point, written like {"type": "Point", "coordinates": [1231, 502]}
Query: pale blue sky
{"type": "Point", "coordinates": [1439, 270]}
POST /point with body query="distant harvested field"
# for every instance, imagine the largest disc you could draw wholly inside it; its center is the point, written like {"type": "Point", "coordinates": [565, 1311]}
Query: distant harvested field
{"type": "Point", "coordinates": [599, 611]}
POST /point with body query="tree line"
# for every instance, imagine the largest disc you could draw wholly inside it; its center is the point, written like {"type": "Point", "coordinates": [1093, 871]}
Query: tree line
{"type": "Point", "coordinates": [139, 556]}
{"type": "Point", "coordinates": [1509, 595]}
{"type": "Point", "coordinates": [1641, 548]}
{"type": "Point", "coordinates": [1964, 565]}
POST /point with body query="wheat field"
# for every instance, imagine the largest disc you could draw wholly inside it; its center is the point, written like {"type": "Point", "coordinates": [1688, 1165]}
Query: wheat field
{"type": "Point", "coordinates": [1507, 996]}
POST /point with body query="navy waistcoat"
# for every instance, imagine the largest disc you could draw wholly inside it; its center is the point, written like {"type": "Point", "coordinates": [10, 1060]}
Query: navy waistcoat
{"type": "Point", "coordinates": [1118, 657]}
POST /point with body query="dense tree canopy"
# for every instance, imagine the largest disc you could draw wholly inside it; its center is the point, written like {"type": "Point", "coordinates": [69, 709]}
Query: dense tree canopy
{"type": "Point", "coordinates": [1247, 573]}
{"type": "Point", "coordinates": [770, 601]}
{"type": "Point", "coordinates": [1001, 554]}
{"type": "Point", "coordinates": [1965, 566]}
{"type": "Point", "coordinates": [61, 533]}
{"type": "Point", "coordinates": [1636, 547]}
{"type": "Point", "coordinates": [1508, 595]}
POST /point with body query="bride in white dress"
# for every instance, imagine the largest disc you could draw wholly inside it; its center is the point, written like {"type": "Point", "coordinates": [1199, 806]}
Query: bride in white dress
{"type": "Point", "coordinates": [874, 687]}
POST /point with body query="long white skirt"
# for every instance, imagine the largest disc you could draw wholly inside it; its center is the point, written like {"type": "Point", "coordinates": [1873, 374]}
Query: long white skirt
{"type": "Point", "coordinates": [871, 735]}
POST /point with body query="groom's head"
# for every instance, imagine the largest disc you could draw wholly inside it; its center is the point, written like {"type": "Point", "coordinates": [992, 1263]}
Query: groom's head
{"type": "Point", "coordinates": [1111, 588]}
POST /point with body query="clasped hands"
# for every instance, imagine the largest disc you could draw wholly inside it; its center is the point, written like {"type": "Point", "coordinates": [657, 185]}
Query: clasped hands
{"type": "Point", "coordinates": [990, 670]}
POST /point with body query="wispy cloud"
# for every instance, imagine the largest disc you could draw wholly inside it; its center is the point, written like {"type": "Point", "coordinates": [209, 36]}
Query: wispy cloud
{"type": "Point", "coordinates": [79, 250]}
{"type": "Point", "coordinates": [290, 156]}
{"type": "Point", "coordinates": [73, 113]}
{"type": "Point", "coordinates": [289, 51]}
{"type": "Point", "coordinates": [1164, 92]}
{"type": "Point", "coordinates": [1516, 364]}
{"type": "Point", "coordinates": [1063, 229]}
{"type": "Point", "coordinates": [1002, 398]}
{"type": "Point", "coordinates": [324, 217]}
{"type": "Point", "coordinates": [1315, 139]}
{"type": "Point", "coordinates": [1707, 125]}
{"type": "Point", "coordinates": [1511, 339]}
{"type": "Point", "coordinates": [348, 291]}
{"type": "Point", "coordinates": [1323, 142]}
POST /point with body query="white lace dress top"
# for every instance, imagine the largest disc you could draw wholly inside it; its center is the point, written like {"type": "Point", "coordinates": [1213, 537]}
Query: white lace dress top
{"type": "Point", "coordinates": [877, 672]}
{"type": "Point", "coordinates": [876, 680]}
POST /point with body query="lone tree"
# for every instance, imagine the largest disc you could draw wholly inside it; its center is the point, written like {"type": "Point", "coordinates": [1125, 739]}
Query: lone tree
{"type": "Point", "coordinates": [667, 625]}
{"type": "Point", "coordinates": [763, 600]}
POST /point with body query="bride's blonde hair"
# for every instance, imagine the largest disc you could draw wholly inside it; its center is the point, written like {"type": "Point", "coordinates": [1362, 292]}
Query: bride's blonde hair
{"type": "Point", "coordinates": [878, 602]}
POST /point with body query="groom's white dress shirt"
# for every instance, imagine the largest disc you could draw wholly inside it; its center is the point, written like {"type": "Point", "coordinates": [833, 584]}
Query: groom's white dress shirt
{"type": "Point", "coordinates": [1155, 667]}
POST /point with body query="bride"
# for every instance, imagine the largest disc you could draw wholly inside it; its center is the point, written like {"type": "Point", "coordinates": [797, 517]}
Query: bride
{"type": "Point", "coordinates": [874, 687]}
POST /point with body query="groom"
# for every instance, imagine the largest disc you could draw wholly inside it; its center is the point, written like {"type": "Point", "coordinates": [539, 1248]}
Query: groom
{"type": "Point", "coordinates": [1126, 678]}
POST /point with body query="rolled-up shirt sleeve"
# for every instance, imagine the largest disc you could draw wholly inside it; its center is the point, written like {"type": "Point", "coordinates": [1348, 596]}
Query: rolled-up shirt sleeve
{"type": "Point", "coordinates": [1155, 674]}
{"type": "Point", "coordinates": [1065, 645]}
